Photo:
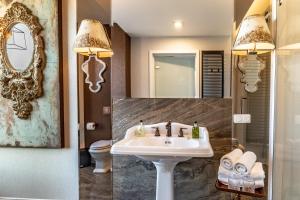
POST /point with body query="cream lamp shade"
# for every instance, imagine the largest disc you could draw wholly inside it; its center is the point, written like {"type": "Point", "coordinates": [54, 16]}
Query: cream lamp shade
{"type": "Point", "coordinates": [92, 39]}
{"type": "Point", "coordinates": [253, 35]}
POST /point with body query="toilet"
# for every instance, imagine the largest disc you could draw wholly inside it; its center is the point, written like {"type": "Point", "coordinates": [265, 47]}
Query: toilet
{"type": "Point", "coordinates": [100, 151]}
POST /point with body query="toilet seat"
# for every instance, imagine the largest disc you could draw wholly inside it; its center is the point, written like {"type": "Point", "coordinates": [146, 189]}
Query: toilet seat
{"type": "Point", "coordinates": [99, 150]}
{"type": "Point", "coordinates": [101, 145]}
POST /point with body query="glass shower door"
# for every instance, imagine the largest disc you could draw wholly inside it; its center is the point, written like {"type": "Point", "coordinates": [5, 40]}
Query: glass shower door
{"type": "Point", "coordinates": [286, 162]}
{"type": "Point", "coordinates": [286, 168]}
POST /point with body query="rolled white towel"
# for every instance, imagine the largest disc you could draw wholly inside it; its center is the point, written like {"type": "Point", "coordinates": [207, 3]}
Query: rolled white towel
{"type": "Point", "coordinates": [224, 172]}
{"type": "Point", "coordinates": [259, 183]}
{"type": "Point", "coordinates": [228, 160]}
{"type": "Point", "coordinates": [257, 171]}
{"type": "Point", "coordinates": [245, 163]}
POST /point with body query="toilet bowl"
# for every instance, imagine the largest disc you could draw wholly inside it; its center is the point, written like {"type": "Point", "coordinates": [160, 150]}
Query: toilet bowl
{"type": "Point", "coordinates": [100, 151]}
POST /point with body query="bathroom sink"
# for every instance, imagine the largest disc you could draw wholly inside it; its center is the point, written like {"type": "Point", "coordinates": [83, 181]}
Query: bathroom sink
{"type": "Point", "coordinates": [165, 152]}
{"type": "Point", "coordinates": [162, 146]}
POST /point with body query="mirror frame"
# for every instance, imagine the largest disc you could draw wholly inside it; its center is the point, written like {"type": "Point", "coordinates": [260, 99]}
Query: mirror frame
{"type": "Point", "coordinates": [21, 87]}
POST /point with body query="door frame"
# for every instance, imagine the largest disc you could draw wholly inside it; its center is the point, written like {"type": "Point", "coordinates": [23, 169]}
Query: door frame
{"type": "Point", "coordinates": [151, 65]}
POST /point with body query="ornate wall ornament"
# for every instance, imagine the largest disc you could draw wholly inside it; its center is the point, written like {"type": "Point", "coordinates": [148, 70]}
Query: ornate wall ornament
{"type": "Point", "coordinates": [97, 66]}
{"type": "Point", "coordinates": [251, 67]}
{"type": "Point", "coordinates": [21, 86]}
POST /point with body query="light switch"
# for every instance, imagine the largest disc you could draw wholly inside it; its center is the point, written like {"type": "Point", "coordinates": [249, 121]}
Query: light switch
{"type": "Point", "coordinates": [242, 118]}
{"type": "Point", "coordinates": [106, 110]}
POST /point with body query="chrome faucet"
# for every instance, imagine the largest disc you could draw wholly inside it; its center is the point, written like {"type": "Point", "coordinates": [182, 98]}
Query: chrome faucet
{"type": "Point", "coordinates": [169, 127]}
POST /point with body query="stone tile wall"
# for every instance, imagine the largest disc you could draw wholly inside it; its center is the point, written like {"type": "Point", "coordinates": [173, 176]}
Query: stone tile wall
{"type": "Point", "coordinates": [135, 179]}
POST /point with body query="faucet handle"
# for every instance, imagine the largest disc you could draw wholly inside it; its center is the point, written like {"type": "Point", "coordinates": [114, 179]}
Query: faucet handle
{"type": "Point", "coordinates": [168, 124]}
{"type": "Point", "coordinates": [156, 131]}
{"type": "Point", "coordinates": [181, 132]}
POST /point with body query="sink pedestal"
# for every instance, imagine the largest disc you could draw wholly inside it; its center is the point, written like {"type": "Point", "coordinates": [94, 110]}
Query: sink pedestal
{"type": "Point", "coordinates": [165, 180]}
{"type": "Point", "coordinates": [165, 177]}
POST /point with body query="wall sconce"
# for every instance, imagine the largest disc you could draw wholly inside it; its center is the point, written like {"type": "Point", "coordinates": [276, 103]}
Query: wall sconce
{"type": "Point", "coordinates": [92, 41]}
{"type": "Point", "coordinates": [253, 38]}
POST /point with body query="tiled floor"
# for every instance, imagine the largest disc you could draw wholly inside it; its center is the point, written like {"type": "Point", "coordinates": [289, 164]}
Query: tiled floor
{"type": "Point", "coordinates": [95, 186]}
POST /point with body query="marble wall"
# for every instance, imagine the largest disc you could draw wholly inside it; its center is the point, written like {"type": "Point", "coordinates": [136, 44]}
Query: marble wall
{"type": "Point", "coordinates": [135, 179]}
{"type": "Point", "coordinates": [42, 129]}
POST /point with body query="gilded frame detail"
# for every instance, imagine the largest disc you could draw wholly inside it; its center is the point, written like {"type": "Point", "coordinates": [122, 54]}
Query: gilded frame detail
{"type": "Point", "coordinates": [21, 87]}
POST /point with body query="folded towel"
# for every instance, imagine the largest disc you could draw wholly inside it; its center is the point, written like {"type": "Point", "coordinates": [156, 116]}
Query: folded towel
{"type": "Point", "coordinates": [257, 171]}
{"type": "Point", "coordinates": [223, 180]}
{"type": "Point", "coordinates": [245, 163]}
{"type": "Point", "coordinates": [258, 183]}
{"type": "Point", "coordinates": [228, 160]}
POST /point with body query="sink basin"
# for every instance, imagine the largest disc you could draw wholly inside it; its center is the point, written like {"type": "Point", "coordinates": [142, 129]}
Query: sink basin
{"type": "Point", "coordinates": [164, 152]}
{"type": "Point", "coordinates": [162, 145]}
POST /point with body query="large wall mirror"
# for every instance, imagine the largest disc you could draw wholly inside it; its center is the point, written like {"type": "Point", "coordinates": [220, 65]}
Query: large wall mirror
{"type": "Point", "coordinates": [170, 49]}
{"type": "Point", "coordinates": [21, 58]}
{"type": "Point", "coordinates": [176, 55]}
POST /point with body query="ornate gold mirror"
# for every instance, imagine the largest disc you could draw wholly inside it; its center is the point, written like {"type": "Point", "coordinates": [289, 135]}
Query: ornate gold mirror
{"type": "Point", "coordinates": [22, 58]}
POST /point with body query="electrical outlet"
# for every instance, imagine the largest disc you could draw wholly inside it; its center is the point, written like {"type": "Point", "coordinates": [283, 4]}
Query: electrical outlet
{"type": "Point", "coordinates": [242, 118]}
{"type": "Point", "coordinates": [91, 126]}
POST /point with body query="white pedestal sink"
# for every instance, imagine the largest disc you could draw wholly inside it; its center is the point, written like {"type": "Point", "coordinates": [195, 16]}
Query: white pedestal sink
{"type": "Point", "coordinates": [164, 152]}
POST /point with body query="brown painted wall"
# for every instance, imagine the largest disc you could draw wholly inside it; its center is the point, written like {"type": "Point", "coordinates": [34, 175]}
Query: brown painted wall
{"type": "Point", "coordinates": [117, 84]}
{"type": "Point", "coordinates": [120, 70]}
{"type": "Point", "coordinates": [240, 9]}
{"type": "Point", "coordinates": [94, 9]}
{"type": "Point", "coordinates": [93, 109]}
{"type": "Point", "coordinates": [93, 106]}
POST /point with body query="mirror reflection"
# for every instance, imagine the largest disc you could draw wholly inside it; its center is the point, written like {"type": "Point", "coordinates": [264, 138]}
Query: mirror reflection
{"type": "Point", "coordinates": [162, 49]}
{"type": "Point", "coordinates": [19, 44]}
{"type": "Point", "coordinates": [178, 49]}
{"type": "Point", "coordinates": [182, 83]}
{"type": "Point", "coordinates": [175, 30]}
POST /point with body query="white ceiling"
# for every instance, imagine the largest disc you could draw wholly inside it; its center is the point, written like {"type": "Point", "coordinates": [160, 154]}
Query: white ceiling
{"type": "Point", "coordinates": [155, 17]}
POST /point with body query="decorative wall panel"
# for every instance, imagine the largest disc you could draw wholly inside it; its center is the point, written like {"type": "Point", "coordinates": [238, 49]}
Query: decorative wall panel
{"type": "Point", "coordinates": [44, 127]}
